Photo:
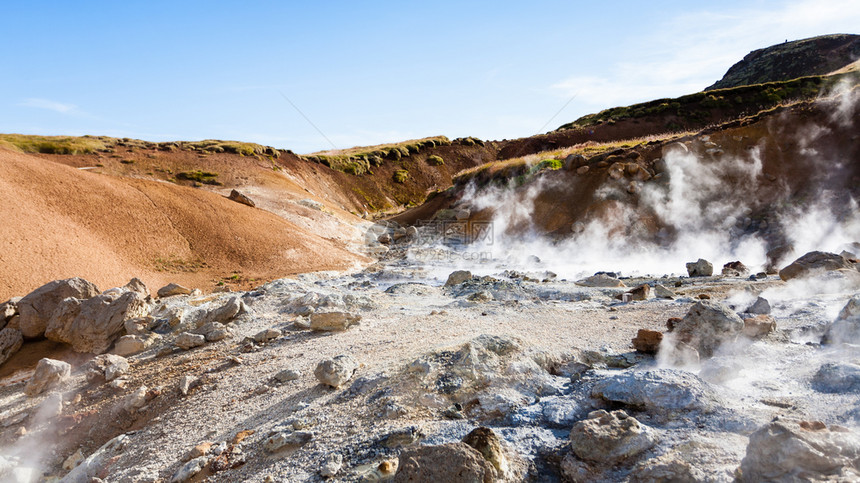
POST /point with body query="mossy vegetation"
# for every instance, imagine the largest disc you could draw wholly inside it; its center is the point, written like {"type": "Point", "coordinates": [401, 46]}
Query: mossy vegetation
{"type": "Point", "coordinates": [204, 177]}
{"type": "Point", "coordinates": [400, 176]}
{"type": "Point", "coordinates": [361, 160]}
{"type": "Point", "coordinates": [53, 144]}
{"type": "Point", "coordinates": [434, 160]}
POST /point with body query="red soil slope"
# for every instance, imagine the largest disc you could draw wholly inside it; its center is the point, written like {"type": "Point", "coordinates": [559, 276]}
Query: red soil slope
{"type": "Point", "coordinates": [58, 222]}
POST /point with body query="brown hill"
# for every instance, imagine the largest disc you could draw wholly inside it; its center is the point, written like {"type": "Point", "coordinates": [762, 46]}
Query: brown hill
{"type": "Point", "coordinates": [59, 222]}
{"type": "Point", "coordinates": [790, 60]}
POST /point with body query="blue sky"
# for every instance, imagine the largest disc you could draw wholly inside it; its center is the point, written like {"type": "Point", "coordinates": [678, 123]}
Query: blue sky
{"type": "Point", "coordinates": [369, 72]}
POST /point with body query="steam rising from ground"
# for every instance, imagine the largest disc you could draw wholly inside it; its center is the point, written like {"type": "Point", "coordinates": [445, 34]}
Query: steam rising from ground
{"type": "Point", "coordinates": [699, 208]}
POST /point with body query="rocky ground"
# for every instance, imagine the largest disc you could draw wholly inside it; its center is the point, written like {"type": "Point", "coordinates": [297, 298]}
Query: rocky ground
{"type": "Point", "coordinates": [394, 373]}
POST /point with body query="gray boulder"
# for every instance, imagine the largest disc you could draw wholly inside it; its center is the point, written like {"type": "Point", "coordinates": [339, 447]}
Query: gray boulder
{"type": "Point", "coordinates": [708, 325]}
{"type": "Point", "coordinates": [48, 373]}
{"type": "Point", "coordinates": [106, 367]}
{"type": "Point", "coordinates": [223, 313]}
{"type": "Point", "coordinates": [837, 378]}
{"type": "Point", "coordinates": [760, 307]}
{"type": "Point", "coordinates": [11, 341]}
{"type": "Point", "coordinates": [91, 325]}
{"type": "Point", "coordinates": [700, 268]}
{"type": "Point", "coordinates": [846, 327]}
{"type": "Point", "coordinates": [658, 390]}
{"type": "Point", "coordinates": [789, 450]}
{"type": "Point", "coordinates": [814, 263]}
{"type": "Point", "coordinates": [336, 371]}
{"type": "Point", "coordinates": [39, 305]}
{"type": "Point", "coordinates": [241, 198]}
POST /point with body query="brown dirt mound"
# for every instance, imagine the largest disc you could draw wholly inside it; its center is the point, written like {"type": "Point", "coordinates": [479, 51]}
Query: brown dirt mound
{"type": "Point", "coordinates": [61, 222]}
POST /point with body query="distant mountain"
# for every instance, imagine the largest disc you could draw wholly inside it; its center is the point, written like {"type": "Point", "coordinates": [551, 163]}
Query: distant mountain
{"type": "Point", "coordinates": [790, 60]}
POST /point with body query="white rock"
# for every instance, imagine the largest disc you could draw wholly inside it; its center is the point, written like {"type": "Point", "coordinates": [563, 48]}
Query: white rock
{"type": "Point", "coordinates": [38, 306]}
{"type": "Point", "coordinates": [288, 375]}
{"type": "Point", "coordinates": [187, 340]}
{"type": "Point", "coordinates": [336, 371]}
{"type": "Point", "coordinates": [92, 325]}
{"type": "Point", "coordinates": [267, 335]}
{"type": "Point", "coordinates": [185, 384]}
{"type": "Point", "coordinates": [48, 373]}
{"type": "Point", "coordinates": [188, 470]}
{"type": "Point", "coordinates": [172, 289]}
{"type": "Point", "coordinates": [332, 465]}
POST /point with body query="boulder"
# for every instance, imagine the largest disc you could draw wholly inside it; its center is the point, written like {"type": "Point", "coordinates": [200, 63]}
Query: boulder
{"type": "Point", "coordinates": [758, 326]}
{"type": "Point", "coordinates": [11, 341]}
{"type": "Point", "coordinates": [735, 269]}
{"type": "Point", "coordinates": [846, 327]}
{"type": "Point", "coordinates": [607, 439]}
{"type": "Point", "coordinates": [814, 263]}
{"type": "Point", "coordinates": [760, 306]}
{"type": "Point", "coordinates": [187, 340]}
{"type": "Point", "coordinates": [647, 341]}
{"type": "Point", "coordinates": [8, 310]}
{"type": "Point", "coordinates": [452, 463]}
{"type": "Point", "coordinates": [130, 344]}
{"type": "Point", "coordinates": [38, 306]}
{"type": "Point", "coordinates": [336, 371]}
{"type": "Point", "coordinates": [48, 373]}
{"type": "Point", "coordinates": [136, 285]}
{"type": "Point", "coordinates": [700, 268]}
{"type": "Point", "coordinates": [661, 292]}
{"type": "Point", "coordinates": [240, 198]}
{"type": "Point", "coordinates": [600, 280]}
{"type": "Point", "coordinates": [267, 335]}
{"type": "Point", "coordinates": [333, 321]}
{"type": "Point", "coordinates": [838, 377]}
{"type": "Point", "coordinates": [708, 325]}
{"type": "Point", "coordinates": [458, 277]}
{"type": "Point", "coordinates": [490, 446]}
{"type": "Point", "coordinates": [106, 367]}
{"type": "Point", "coordinates": [91, 325]}
{"type": "Point", "coordinates": [223, 313]}
{"type": "Point", "coordinates": [659, 390]}
{"type": "Point", "coordinates": [790, 450]}
{"type": "Point", "coordinates": [639, 293]}
{"type": "Point", "coordinates": [172, 289]}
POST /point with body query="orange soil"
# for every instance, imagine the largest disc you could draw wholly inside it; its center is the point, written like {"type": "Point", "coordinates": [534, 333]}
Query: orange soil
{"type": "Point", "coordinates": [59, 222]}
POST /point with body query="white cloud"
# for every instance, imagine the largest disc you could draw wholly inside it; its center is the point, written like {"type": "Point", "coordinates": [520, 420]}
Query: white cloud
{"type": "Point", "coordinates": [691, 51]}
{"type": "Point", "coordinates": [49, 105]}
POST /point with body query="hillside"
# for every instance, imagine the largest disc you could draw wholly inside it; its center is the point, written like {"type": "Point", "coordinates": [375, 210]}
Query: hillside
{"type": "Point", "coordinates": [61, 222]}
{"type": "Point", "coordinates": [790, 60]}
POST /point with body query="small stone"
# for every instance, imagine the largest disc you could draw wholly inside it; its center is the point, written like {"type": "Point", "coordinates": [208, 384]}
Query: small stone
{"type": "Point", "coordinates": [187, 340]}
{"type": "Point", "coordinates": [240, 198]}
{"type": "Point", "coordinates": [760, 306]}
{"type": "Point", "coordinates": [735, 269]}
{"type": "Point", "coordinates": [188, 470]}
{"type": "Point", "coordinates": [647, 341]}
{"type": "Point", "coordinates": [336, 371]}
{"type": "Point", "coordinates": [639, 293]}
{"type": "Point", "coordinates": [49, 372]}
{"type": "Point", "coordinates": [662, 292]}
{"type": "Point", "coordinates": [283, 439]}
{"type": "Point", "coordinates": [600, 280]}
{"type": "Point", "coordinates": [332, 465]}
{"type": "Point", "coordinates": [173, 289]}
{"type": "Point", "coordinates": [700, 268]}
{"type": "Point", "coordinates": [129, 345]}
{"type": "Point", "coordinates": [402, 437]}
{"type": "Point", "coordinates": [185, 384]}
{"type": "Point", "coordinates": [288, 375]}
{"type": "Point", "coordinates": [73, 460]}
{"type": "Point", "coordinates": [609, 438]}
{"type": "Point", "coordinates": [458, 277]}
{"type": "Point", "coordinates": [242, 435]}
{"type": "Point", "coordinates": [202, 449]}
{"type": "Point", "coordinates": [266, 335]}
{"type": "Point", "coordinates": [333, 321]}
{"type": "Point", "coordinates": [759, 326]}
{"type": "Point", "coordinates": [136, 400]}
